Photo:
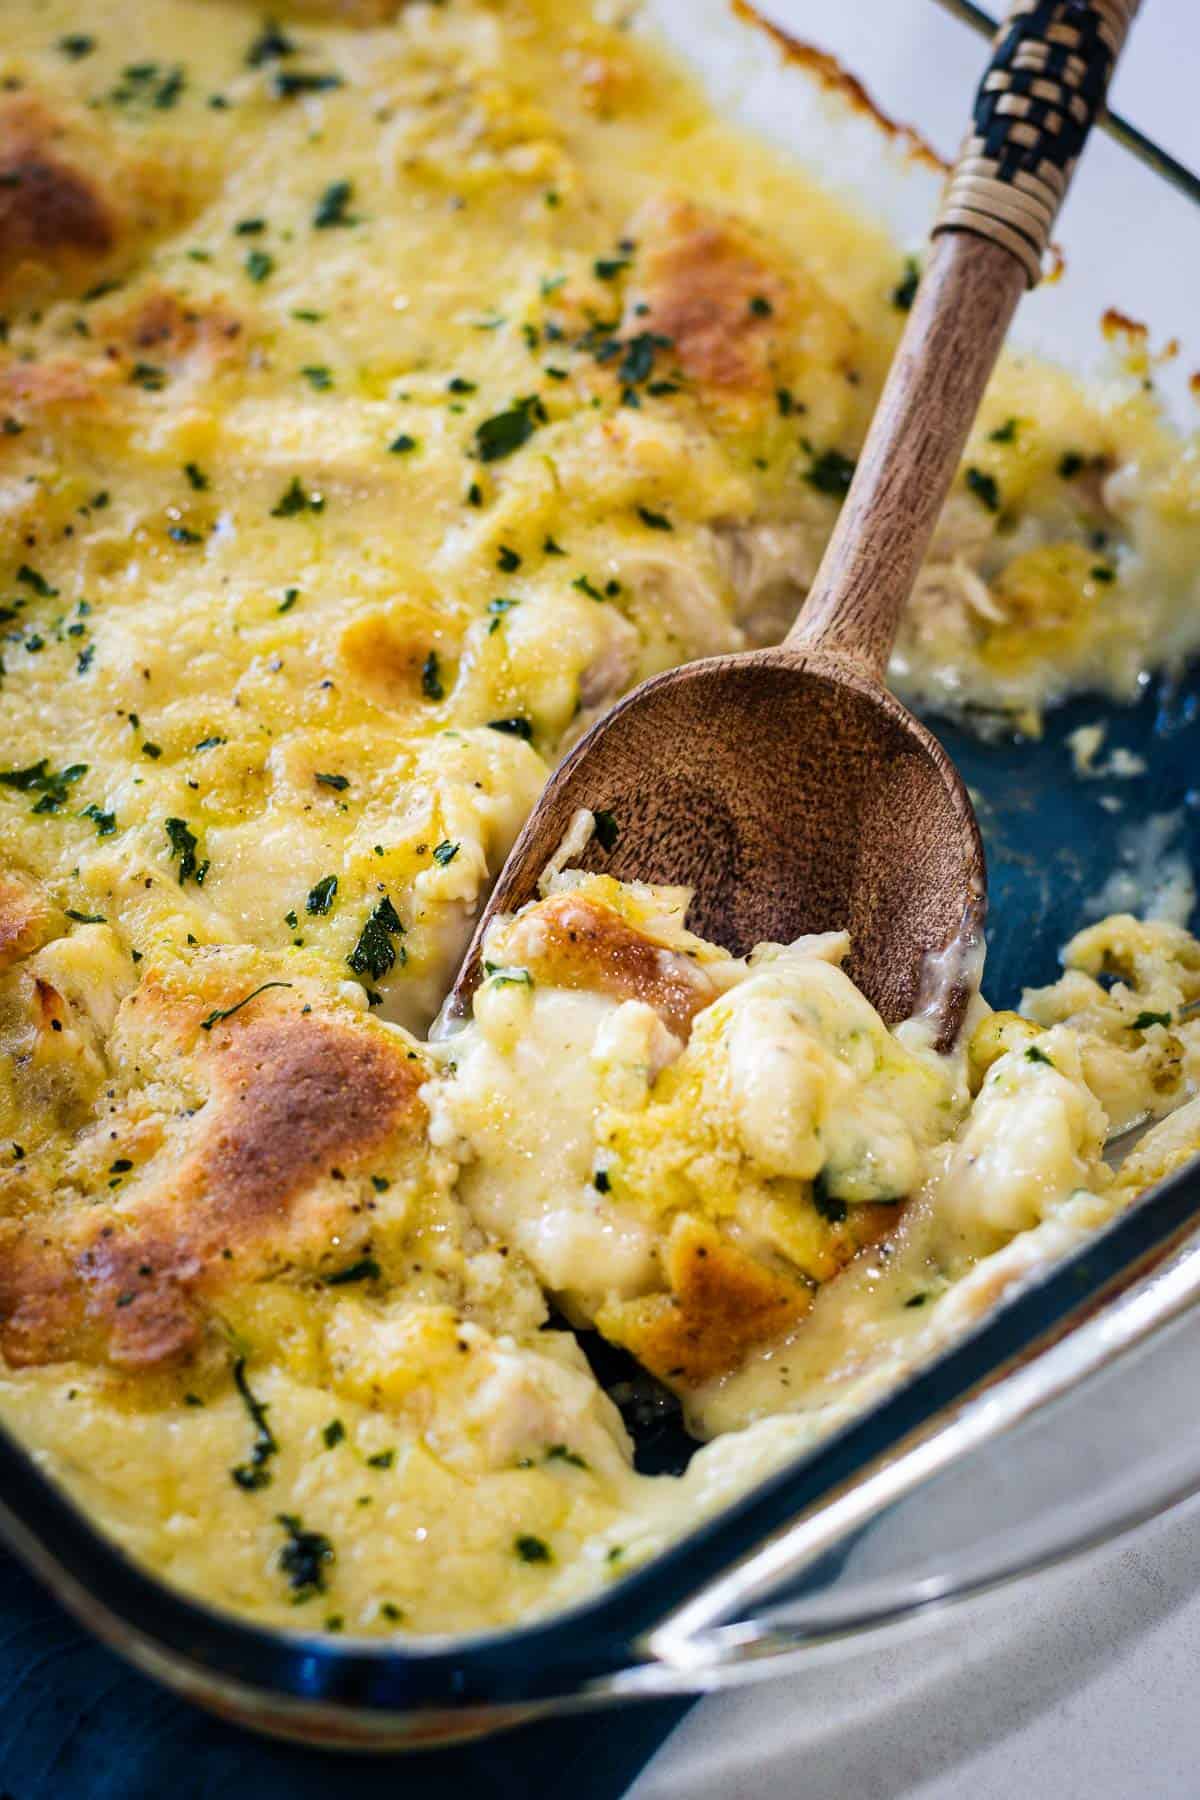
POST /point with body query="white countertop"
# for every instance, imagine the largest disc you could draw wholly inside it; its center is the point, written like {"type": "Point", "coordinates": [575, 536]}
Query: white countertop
{"type": "Point", "coordinates": [1080, 1684]}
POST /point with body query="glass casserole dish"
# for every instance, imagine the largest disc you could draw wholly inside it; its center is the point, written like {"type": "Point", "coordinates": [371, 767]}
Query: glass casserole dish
{"type": "Point", "coordinates": [432, 1674]}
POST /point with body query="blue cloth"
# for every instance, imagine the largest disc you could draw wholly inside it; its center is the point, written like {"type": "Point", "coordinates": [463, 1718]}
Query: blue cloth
{"type": "Point", "coordinates": [76, 1724]}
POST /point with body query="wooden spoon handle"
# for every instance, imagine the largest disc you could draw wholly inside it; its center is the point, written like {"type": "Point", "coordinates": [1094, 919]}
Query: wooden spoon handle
{"type": "Point", "coordinates": [1046, 82]}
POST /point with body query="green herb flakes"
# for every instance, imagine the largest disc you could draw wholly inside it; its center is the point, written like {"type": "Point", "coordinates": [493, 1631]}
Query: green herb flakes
{"type": "Point", "coordinates": [227, 1012]}
{"type": "Point", "coordinates": [184, 844]}
{"type": "Point", "coordinates": [505, 432]}
{"type": "Point", "coordinates": [984, 488]}
{"type": "Point", "coordinates": [305, 1557]}
{"type": "Point", "coordinates": [331, 208]}
{"type": "Point", "coordinates": [321, 897]}
{"type": "Point", "coordinates": [375, 953]}
{"type": "Point", "coordinates": [254, 1473]}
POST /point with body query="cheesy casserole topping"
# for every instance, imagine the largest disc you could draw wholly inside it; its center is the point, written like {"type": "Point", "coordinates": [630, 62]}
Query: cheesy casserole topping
{"type": "Point", "coordinates": [383, 391]}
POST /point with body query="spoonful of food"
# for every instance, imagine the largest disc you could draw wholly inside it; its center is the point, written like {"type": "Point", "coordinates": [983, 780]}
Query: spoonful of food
{"type": "Point", "coordinates": [788, 787]}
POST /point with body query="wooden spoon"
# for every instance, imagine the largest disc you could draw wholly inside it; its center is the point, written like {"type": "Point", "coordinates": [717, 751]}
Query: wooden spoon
{"type": "Point", "coordinates": [787, 787]}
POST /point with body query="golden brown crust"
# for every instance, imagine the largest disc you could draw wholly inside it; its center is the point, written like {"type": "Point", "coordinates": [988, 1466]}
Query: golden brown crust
{"type": "Point", "coordinates": [572, 941]}
{"type": "Point", "coordinates": [51, 211]}
{"type": "Point", "coordinates": [710, 288]}
{"type": "Point", "coordinates": [831, 75]}
{"type": "Point", "coordinates": [296, 1103]}
{"type": "Point", "coordinates": [25, 919]}
{"type": "Point", "coordinates": [33, 392]}
{"type": "Point", "coordinates": [162, 325]}
{"type": "Point", "coordinates": [722, 1305]}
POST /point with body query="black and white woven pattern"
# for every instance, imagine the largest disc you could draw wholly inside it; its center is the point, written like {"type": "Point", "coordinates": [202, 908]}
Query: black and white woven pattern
{"type": "Point", "coordinates": [1046, 83]}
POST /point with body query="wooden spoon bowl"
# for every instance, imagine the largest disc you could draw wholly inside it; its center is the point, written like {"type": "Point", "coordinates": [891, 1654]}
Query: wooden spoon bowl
{"type": "Point", "coordinates": [794, 794]}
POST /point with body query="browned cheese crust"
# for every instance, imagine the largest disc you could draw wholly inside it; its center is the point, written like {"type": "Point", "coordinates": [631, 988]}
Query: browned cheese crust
{"type": "Point", "coordinates": [258, 1179]}
{"type": "Point", "coordinates": [570, 941]}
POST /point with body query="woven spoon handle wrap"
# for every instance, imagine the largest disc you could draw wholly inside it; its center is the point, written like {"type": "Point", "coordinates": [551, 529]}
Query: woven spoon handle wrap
{"type": "Point", "coordinates": [1043, 91]}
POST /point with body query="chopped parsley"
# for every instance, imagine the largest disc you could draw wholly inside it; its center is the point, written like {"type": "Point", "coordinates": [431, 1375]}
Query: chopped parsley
{"type": "Point", "coordinates": [294, 500]}
{"type": "Point", "coordinates": [288, 84]}
{"type": "Point", "coordinates": [32, 578]}
{"type": "Point", "coordinates": [831, 473]}
{"type": "Point", "coordinates": [517, 726]}
{"type": "Point", "coordinates": [82, 918]}
{"type": "Point", "coordinates": [208, 743]}
{"type": "Point", "coordinates": [1070, 463]}
{"type": "Point", "coordinates": [375, 953]}
{"type": "Point", "coordinates": [259, 264]}
{"type": "Point", "coordinates": [289, 600]}
{"type": "Point", "coordinates": [197, 479]}
{"type": "Point", "coordinates": [382, 1459]}
{"type": "Point", "coordinates": [76, 45]}
{"type": "Point", "coordinates": [331, 207]}
{"type": "Point", "coordinates": [505, 432]}
{"type": "Point", "coordinates": [321, 897]}
{"type": "Point", "coordinates": [227, 1012]}
{"type": "Point", "coordinates": [105, 822]}
{"type": "Point", "coordinates": [304, 1558]}
{"type": "Point", "coordinates": [271, 44]}
{"type": "Point", "coordinates": [148, 376]}
{"type": "Point", "coordinates": [318, 376]}
{"type": "Point", "coordinates": [563, 1453]}
{"type": "Point", "coordinates": [184, 844]}
{"type": "Point", "coordinates": [1103, 572]}
{"type": "Point", "coordinates": [180, 534]}
{"type": "Point", "coordinates": [402, 443]}
{"type": "Point", "coordinates": [254, 1473]}
{"type": "Point", "coordinates": [654, 521]}
{"type": "Point", "coordinates": [505, 977]}
{"type": "Point", "coordinates": [498, 608]}
{"type": "Point", "coordinates": [339, 783]}
{"type": "Point", "coordinates": [333, 1433]}
{"type": "Point", "coordinates": [445, 853]}
{"type": "Point", "coordinates": [431, 678]}
{"type": "Point", "coordinates": [1034, 1055]}
{"type": "Point", "coordinates": [601, 1182]}
{"type": "Point", "coordinates": [1145, 1020]}
{"type": "Point", "coordinates": [50, 784]}
{"type": "Point", "coordinates": [905, 290]}
{"type": "Point", "coordinates": [984, 488]}
{"type": "Point", "coordinates": [365, 1269]}
{"type": "Point", "coordinates": [532, 1549]}
{"type": "Point", "coordinates": [1006, 433]}
{"type": "Point", "coordinates": [761, 307]}
{"type": "Point", "coordinates": [507, 560]}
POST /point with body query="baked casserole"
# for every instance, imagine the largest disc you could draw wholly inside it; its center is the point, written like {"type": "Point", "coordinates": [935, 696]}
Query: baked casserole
{"type": "Point", "coordinates": [383, 391]}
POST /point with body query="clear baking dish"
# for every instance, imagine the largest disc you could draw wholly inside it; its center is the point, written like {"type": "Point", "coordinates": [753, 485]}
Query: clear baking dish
{"type": "Point", "coordinates": [956, 1482]}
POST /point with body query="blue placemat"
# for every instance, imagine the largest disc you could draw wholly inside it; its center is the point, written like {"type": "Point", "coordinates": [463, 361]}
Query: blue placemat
{"type": "Point", "coordinates": [77, 1724]}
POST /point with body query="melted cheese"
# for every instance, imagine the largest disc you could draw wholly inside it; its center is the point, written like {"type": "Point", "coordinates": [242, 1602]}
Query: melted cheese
{"type": "Point", "coordinates": [380, 397]}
